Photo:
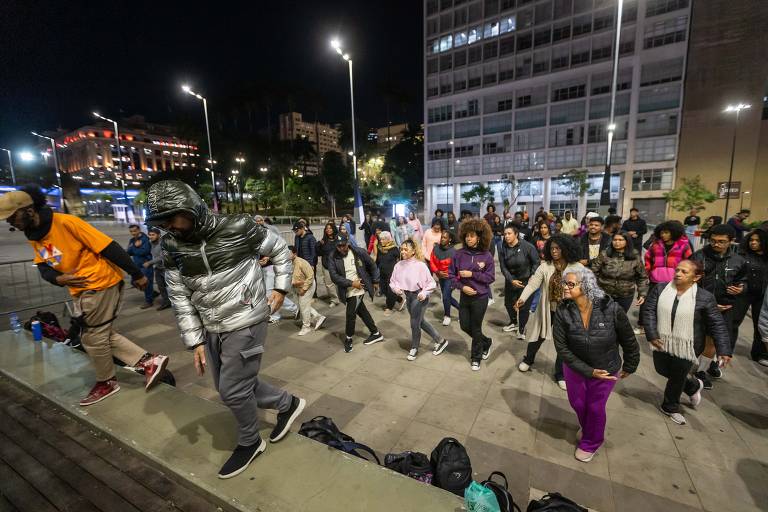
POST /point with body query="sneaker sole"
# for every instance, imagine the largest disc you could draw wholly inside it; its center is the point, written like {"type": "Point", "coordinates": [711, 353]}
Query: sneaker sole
{"type": "Point", "coordinates": [82, 404]}
{"type": "Point", "coordinates": [587, 459]}
{"type": "Point", "coordinates": [320, 323]}
{"type": "Point", "coordinates": [669, 415]}
{"type": "Point", "coordinates": [375, 340]}
{"type": "Point", "coordinates": [158, 371]}
{"type": "Point", "coordinates": [259, 451]}
{"type": "Point", "coordinates": [437, 352]}
{"type": "Point", "coordinates": [296, 413]}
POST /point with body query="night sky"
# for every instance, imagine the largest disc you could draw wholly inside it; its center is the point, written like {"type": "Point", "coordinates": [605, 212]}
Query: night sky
{"type": "Point", "coordinates": [61, 60]}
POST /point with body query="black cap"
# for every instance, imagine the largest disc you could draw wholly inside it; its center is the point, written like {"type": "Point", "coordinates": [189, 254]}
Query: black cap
{"type": "Point", "coordinates": [297, 225]}
{"type": "Point", "coordinates": [342, 240]}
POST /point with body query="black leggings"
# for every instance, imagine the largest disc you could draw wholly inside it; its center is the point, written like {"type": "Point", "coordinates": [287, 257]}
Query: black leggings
{"type": "Point", "coordinates": [356, 307]}
{"type": "Point", "coordinates": [533, 349]}
{"type": "Point", "coordinates": [389, 295]}
{"type": "Point", "coordinates": [471, 314]}
{"type": "Point", "coordinates": [742, 305]}
{"type": "Point", "coordinates": [677, 371]}
{"type": "Point", "coordinates": [511, 294]}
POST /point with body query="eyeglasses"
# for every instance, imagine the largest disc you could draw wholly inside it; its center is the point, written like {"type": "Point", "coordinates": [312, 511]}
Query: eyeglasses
{"type": "Point", "coordinates": [719, 242]}
{"type": "Point", "coordinates": [570, 284]}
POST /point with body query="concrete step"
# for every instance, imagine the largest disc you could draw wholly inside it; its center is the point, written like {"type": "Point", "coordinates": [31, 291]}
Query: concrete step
{"type": "Point", "coordinates": [191, 438]}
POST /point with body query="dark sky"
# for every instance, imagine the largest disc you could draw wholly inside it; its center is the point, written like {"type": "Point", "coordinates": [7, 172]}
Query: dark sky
{"type": "Point", "coordinates": [59, 60]}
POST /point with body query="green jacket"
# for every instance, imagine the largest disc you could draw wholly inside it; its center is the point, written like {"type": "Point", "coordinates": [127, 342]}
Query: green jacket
{"type": "Point", "coordinates": [619, 277]}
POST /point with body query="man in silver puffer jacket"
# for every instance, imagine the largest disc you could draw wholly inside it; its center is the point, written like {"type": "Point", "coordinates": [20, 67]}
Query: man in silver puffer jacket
{"type": "Point", "coordinates": [216, 286]}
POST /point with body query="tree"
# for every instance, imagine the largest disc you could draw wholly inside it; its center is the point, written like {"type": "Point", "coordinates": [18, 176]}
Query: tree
{"type": "Point", "coordinates": [691, 194]}
{"type": "Point", "coordinates": [478, 194]}
{"type": "Point", "coordinates": [336, 179]}
{"type": "Point", "coordinates": [406, 159]}
{"type": "Point", "coordinates": [577, 182]}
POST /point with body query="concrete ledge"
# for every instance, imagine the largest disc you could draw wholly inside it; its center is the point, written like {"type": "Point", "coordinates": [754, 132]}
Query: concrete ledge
{"type": "Point", "coordinates": [191, 438]}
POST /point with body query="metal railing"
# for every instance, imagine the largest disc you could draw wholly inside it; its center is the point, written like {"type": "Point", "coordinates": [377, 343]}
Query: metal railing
{"type": "Point", "coordinates": [22, 289]}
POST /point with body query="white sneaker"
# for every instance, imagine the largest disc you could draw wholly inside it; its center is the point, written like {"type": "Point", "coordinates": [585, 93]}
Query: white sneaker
{"type": "Point", "coordinates": [475, 367]}
{"type": "Point", "coordinates": [331, 304]}
{"type": "Point", "coordinates": [387, 312]}
{"type": "Point", "coordinates": [696, 397]}
{"type": "Point", "coordinates": [674, 416]}
{"type": "Point", "coordinates": [412, 354]}
{"type": "Point", "coordinates": [319, 322]}
{"type": "Point", "coordinates": [520, 335]}
{"type": "Point", "coordinates": [509, 328]}
{"type": "Point", "coordinates": [491, 302]}
{"type": "Point", "coordinates": [305, 330]}
{"type": "Point", "coordinates": [762, 361]}
{"type": "Point", "coordinates": [561, 385]}
{"type": "Point", "coordinates": [583, 456]}
{"type": "Point", "coordinates": [638, 331]}
{"type": "Point", "coordinates": [524, 367]}
{"type": "Point", "coordinates": [446, 320]}
{"type": "Point", "coordinates": [274, 319]}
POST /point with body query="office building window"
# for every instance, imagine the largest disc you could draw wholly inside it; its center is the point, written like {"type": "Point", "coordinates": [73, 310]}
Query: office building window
{"type": "Point", "coordinates": [446, 43]}
{"type": "Point", "coordinates": [469, 128]}
{"type": "Point", "coordinates": [525, 19]}
{"type": "Point", "coordinates": [569, 90]}
{"type": "Point", "coordinates": [562, 9]}
{"type": "Point", "coordinates": [627, 42]}
{"type": "Point", "coordinates": [507, 4]}
{"type": "Point", "coordinates": [523, 66]}
{"type": "Point", "coordinates": [601, 48]}
{"type": "Point", "coordinates": [543, 12]}
{"type": "Point", "coordinates": [467, 148]}
{"type": "Point", "coordinates": [656, 7]}
{"type": "Point", "coordinates": [565, 158]}
{"type": "Point", "coordinates": [446, 4]}
{"type": "Point", "coordinates": [474, 55]}
{"type": "Point", "coordinates": [506, 70]}
{"type": "Point", "coordinates": [491, 29]}
{"type": "Point", "coordinates": [497, 144]}
{"type": "Point", "coordinates": [507, 45]}
{"type": "Point", "coordinates": [432, 7]}
{"type": "Point", "coordinates": [567, 113]}
{"type": "Point", "coordinates": [474, 78]}
{"type": "Point", "coordinates": [533, 161]}
{"type": "Point", "coordinates": [467, 108]}
{"type": "Point", "coordinates": [431, 66]}
{"type": "Point", "coordinates": [491, 50]}
{"type": "Point", "coordinates": [596, 154]}
{"type": "Point", "coordinates": [542, 36]}
{"type": "Point", "coordinates": [439, 114]}
{"type": "Point", "coordinates": [474, 34]}
{"type": "Point", "coordinates": [582, 25]}
{"type": "Point", "coordinates": [561, 31]}
{"type": "Point", "coordinates": [459, 81]}
{"type": "Point", "coordinates": [541, 62]}
{"type": "Point", "coordinates": [439, 132]}
{"type": "Point", "coordinates": [603, 20]}
{"type": "Point", "coordinates": [475, 12]}
{"type": "Point", "coordinates": [432, 27]}
{"type": "Point", "coordinates": [460, 17]}
{"type": "Point", "coordinates": [489, 74]}
{"type": "Point", "coordinates": [655, 125]}
{"type": "Point", "coordinates": [438, 152]}
{"type": "Point", "coordinates": [507, 24]}
{"type": "Point", "coordinates": [460, 59]}
{"type": "Point", "coordinates": [531, 96]}
{"type": "Point", "coordinates": [445, 84]}
{"type": "Point", "coordinates": [432, 87]}
{"type": "Point", "coordinates": [659, 97]}
{"type": "Point", "coordinates": [661, 72]}
{"type": "Point", "coordinates": [665, 32]}
{"type": "Point", "coordinates": [531, 139]}
{"type": "Point", "coordinates": [446, 62]}
{"type": "Point", "coordinates": [498, 123]}
{"type": "Point", "coordinates": [532, 118]}
{"type": "Point", "coordinates": [446, 22]}
{"type": "Point", "coordinates": [502, 164]}
{"type": "Point", "coordinates": [580, 53]}
{"type": "Point", "coordinates": [561, 57]}
{"type": "Point", "coordinates": [491, 7]}
{"type": "Point", "coordinates": [466, 167]}
{"type": "Point", "coordinates": [566, 136]}
{"type": "Point", "coordinates": [524, 41]}
{"type": "Point", "coordinates": [498, 103]}
{"type": "Point", "coordinates": [459, 39]}
{"type": "Point", "coordinates": [651, 179]}
{"type": "Point", "coordinates": [580, 6]}
{"type": "Point", "coordinates": [530, 187]}
{"type": "Point", "coordinates": [655, 150]}
{"type": "Point", "coordinates": [439, 169]}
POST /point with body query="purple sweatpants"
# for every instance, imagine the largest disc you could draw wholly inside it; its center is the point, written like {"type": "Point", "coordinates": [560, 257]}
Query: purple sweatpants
{"type": "Point", "coordinates": [588, 397]}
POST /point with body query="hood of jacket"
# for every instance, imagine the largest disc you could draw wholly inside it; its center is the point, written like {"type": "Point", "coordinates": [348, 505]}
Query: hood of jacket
{"type": "Point", "coordinates": [169, 197]}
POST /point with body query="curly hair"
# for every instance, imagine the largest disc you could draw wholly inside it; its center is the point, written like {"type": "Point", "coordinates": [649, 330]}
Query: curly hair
{"type": "Point", "coordinates": [481, 228]}
{"type": "Point", "coordinates": [675, 228]}
{"type": "Point", "coordinates": [761, 235]}
{"type": "Point", "coordinates": [416, 248]}
{"type": "Point", "coordinates": [588, 283]}
{"type": "Point", "coordinates": [569, 248]}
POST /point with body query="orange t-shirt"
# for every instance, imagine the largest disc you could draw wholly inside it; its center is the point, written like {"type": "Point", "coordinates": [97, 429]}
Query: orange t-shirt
{"type": "Point", "coordinates": [72, 246]}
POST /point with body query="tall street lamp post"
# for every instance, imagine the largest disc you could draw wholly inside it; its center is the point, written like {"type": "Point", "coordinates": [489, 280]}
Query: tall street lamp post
{"type": "Point", "coordinates": [605, 192]}
{"type": "Point", "coordinates": [336, 45]}
{"type": "Point", "coordinates": [189, 91]}
{"type": "Point", "coordinates": [732, 108]}
{"type": "Point", "coordinates": [62, 204]}
{"type": "Point", "coordinates": [240, 160]}
{"type": "Point", "coordinates": [10, 162]}
{"type": "Point", "coordinates": [119, 154]}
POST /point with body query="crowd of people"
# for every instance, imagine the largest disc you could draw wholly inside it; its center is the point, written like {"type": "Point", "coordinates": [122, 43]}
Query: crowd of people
{"type": "Point", "coordinates": [565, 282]}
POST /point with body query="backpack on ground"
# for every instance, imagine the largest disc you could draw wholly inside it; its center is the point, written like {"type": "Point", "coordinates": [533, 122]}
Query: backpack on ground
{"type": "Point", "coordinates": [49, 324]}
{"type": "Point", "coordinates": [413, 464]}
{"type": "Point", "coordinates": [554, 502]}
{"type": "Point", "coordinates": [323, 430]}
{"type": "Point", "coordinates": [506, 502]}
{"type": "Point", "coordinates": [451, 466]}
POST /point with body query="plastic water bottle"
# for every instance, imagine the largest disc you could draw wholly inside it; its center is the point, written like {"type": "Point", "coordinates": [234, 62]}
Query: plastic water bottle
{"type": "Point", "coordinates": [15, 323]}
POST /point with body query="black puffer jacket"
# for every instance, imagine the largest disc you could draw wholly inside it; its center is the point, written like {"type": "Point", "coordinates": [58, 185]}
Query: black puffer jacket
{"type": "Point", "coordinates": [325, 247]}
{"type": "Point", "coordinates": [598, 347]}
{"type": "Point", "coordinates": [721, 272]}
{"type": "Point", "coordinates": [757, 273]}
{"type": "Point", "coordinates": [518, 262]}
{"type": "Point", "coordinates": [708, 321]}
{"type": "Point", "coordinates": [367, 271]}
{"type": "Point", "coordinates": [386, 261]}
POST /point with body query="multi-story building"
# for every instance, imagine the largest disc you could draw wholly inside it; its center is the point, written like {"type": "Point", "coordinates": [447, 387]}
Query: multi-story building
{"type": "Point", "coordinates": [89, 153]}
{"type": "Point", "coordinates": [521, 89]}
{"type": "Point", "coordinates": [388, 136]}
{"type": "Point", "coordinates": [323, 137]}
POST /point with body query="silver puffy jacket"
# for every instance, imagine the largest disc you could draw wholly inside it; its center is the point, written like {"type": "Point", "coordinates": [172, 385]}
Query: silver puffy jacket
{"type": "Point", "coordinates": [214, 279]}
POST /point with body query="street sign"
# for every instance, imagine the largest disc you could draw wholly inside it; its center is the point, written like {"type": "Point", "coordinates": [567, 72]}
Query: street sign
{"type": "Point", "coordinates": [723, 192]}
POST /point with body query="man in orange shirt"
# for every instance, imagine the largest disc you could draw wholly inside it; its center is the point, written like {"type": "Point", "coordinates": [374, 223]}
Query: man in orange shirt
{"type": "Point", "coordinates": [70, 252]}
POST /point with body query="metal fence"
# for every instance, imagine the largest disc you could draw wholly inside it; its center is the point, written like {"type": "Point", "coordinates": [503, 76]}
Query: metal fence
{"type": "Point", "coordinates": [22, 290]}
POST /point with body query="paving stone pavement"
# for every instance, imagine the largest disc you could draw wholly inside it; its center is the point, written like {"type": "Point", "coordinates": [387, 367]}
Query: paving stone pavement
{"type": "Point", "coordinates": [520, 424]}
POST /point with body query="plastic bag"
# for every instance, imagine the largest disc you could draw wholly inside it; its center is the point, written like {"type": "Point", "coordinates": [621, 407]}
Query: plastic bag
{"type": "Point", "coordinates": [480, 499]}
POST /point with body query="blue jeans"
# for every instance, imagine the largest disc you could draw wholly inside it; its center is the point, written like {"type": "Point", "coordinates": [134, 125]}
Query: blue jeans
{"type": "Point", "coordinates": [149, 291]}
{"type": "Point", "coordinates": [448, 300]}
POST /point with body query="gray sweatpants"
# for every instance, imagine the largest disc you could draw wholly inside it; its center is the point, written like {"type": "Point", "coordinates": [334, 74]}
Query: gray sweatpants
{"type": "Point", "coordinates": [234, 359]}
{"type": "Point", "coordinates": [417, 309]}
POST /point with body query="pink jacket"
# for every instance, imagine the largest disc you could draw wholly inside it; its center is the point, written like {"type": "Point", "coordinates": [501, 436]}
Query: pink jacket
{"type": "Point", "coordinates": [428, 242]}
{"type": "Point", "coordinates": [660, 261]}
{"type": "Point", "coordinates": [418, 232]}
{"type": "Point", "coordinates": [411, 275]}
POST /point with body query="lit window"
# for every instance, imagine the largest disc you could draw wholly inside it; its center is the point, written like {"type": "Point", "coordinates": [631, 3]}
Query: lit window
{"type": "Point", "coordinates": [446, 43]}
{"type": "Point", "coordinates": [475, 35]}
{"type": "Point", "coordinates": [491, 29]}
{"type": "Point", "coordinates": [460, 39]}
{"type": "Point", "coordinates": [507, 24]}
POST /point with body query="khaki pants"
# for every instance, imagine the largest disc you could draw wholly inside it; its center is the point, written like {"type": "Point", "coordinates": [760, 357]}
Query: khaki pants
{"type": "Point", "coordinates": [333, 293]}
{"type": "Point", "coordinates": [102, 342]}
{"type": "Point", "coordinates": [307, 312]}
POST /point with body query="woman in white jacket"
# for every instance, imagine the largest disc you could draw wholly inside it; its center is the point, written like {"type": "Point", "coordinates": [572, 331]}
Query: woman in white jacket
{"type": "Point", "coordinates": [561, 255]}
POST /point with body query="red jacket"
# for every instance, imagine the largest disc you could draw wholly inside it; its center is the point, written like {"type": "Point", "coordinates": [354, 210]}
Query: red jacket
{"type": "Point", "coordinates": [660, 261]}
{"type": "Point", "coordinates": [441, 258]}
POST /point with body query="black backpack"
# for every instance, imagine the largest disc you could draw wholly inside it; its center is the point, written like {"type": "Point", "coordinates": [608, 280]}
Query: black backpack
{"type": "Point", "coordinates": [554, 502]}
{"type": "Point", "coordinates": [413, 464]}
{"type": "Point", "coordinates": [323, 430]}
{"type": "Point", "coordinates": [506, 502]}
{"type": "Point", "coordinates": [453, 470]}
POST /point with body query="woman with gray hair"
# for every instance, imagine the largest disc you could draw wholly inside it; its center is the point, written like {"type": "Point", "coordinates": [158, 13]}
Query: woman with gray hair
{"type": "Point", "coordinates": [588, 328]}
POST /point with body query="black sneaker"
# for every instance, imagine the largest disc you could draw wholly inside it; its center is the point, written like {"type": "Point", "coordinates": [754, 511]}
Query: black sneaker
{"type": "Point", "coordinates": [703, 377]}
{"type": "Point", "coordinates": [241, 458]}
{"type": "Point", "coordinates": [286, 419]}
{"type": "Point", "coordinates": [348, 345]}
{"type": "Point", "coordinates": [373, 338]}
{"type": "Point", "coordinates": [439, 347]}
{"type": "Point", "coordinates": [487, 352]}
{"type": "Point", "coordinates": [714, 370]}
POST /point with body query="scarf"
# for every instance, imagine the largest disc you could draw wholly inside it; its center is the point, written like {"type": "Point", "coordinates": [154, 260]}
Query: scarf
{"type": "Point", "coordinates": [556, 285]}
{"type": "Point", "coordinates": [678, 341]}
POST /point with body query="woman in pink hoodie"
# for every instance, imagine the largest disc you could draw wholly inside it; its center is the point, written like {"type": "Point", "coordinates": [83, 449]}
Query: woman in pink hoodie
{"type": "Point", "coordinates": [412, 279]}
{"type": "Point", "coordinates": [415, 223]}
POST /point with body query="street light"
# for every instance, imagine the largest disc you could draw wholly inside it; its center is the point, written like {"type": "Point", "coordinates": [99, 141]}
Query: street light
{"type": "Point", "coordinates": [240, 160]}
{"type": "Point", "coordinates": [119, 154]}
{"type": "Point", "coordinates": [10, 162]}
{"type": "Point", "coordinates": [605, 192]}
{"type": "Point", "coordinates": [189, 91]}
{"type": "Point", "coordinates": [62, 204]}
{"type": "Point", "coordinates": [732, 108]}
{"type": "Point", "coordinates": [741, 206]}
{"type": "Point", "coordinates": [336, 45]}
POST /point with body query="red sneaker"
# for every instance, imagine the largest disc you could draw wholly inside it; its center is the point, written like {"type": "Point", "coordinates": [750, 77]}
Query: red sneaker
{"type": "Point", "coordinates": [152, 368]}
{"type": "Point", "coordinates": [100, 391]}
